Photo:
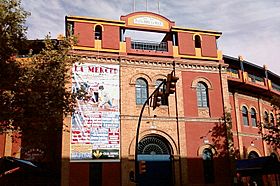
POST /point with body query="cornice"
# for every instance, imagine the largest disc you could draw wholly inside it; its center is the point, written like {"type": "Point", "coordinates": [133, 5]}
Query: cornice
{"type": "Point", "coordinates": [246, 134]}
{"type": "Point", "coordinates": [151, 62]}
{"type": "Point", "coordinates": [170, 119]}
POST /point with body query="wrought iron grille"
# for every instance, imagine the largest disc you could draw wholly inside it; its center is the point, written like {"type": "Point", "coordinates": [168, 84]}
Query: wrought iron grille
{"type": "Point", "coordinates": [153, 145]}
{"type": "Point", "coordinates": [149, 45]}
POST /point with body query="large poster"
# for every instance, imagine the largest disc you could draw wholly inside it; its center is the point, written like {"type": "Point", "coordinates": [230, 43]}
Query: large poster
{"type": "Point", "coordinates": [95, 130]}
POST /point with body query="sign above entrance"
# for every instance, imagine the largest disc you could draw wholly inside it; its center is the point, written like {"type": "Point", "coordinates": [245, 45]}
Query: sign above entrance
{"type": "Point", "coordinates": [147, 21]}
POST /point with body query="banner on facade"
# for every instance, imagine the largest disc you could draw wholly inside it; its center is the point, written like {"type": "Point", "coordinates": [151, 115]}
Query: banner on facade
{"type": "Point", "coordinates": [95, 129]}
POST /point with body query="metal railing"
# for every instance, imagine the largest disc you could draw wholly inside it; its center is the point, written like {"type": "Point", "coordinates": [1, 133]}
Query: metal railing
{"type": "Point", "coordinates": [275, 87]}
{"type": "Point", "coordinates": [149, 45]}
{"type": "Point", "coordinates": [256, 79]}
{"type": "Point", "coordinates": [232, 73]}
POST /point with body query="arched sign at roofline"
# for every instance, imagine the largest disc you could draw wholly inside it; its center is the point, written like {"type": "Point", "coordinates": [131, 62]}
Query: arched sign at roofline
{"type": "Point", "coordinates": [147, 21]}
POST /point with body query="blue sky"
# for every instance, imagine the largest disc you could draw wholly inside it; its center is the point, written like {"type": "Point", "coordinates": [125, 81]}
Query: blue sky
{"type": "Point", "coordinates": [250, 28]}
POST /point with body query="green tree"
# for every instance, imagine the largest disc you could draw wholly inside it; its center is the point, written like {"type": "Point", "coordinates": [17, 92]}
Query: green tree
{"type": "Point", "coordinates": [44, 97]}
{"type": "Point", "coordinates": [272, 131]}
{"type": "Point", "coordinates": [43, 93]}
{"type": "Point", "coordinates": [35, 93]}
{"type": "Point", "coordinates": [12, 27]}
{"type": "Point", "coordinates": [12, 37]}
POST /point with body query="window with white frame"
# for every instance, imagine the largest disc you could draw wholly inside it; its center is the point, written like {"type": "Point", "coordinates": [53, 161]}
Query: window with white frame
{"type": "Point", "coordinates": [202, 94]}
{"type": "Point", "coordinates": [253, 117]}
{"type": "Point", "coordinates": [245, 116]}
{"type": "Point", "coordinates": [141, 89]}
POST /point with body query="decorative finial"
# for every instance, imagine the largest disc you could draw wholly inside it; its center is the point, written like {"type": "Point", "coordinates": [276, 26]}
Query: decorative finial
{"type": "Point", "coordinates": [240, 58]}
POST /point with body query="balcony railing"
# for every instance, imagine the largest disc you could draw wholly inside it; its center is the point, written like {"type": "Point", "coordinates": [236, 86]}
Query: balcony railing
{"type": "Point", "coordinates": [232, 73]}
{"type": "Point", "coordinates": [256, 79]}
{"type": "Point", "coordinates": [275, 87]}
{"type": "Point", "coordinates": [149, 45]}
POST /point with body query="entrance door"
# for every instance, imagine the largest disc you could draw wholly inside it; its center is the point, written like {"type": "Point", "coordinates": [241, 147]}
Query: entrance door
{"type": "Point", "coordinates": [155, 151]}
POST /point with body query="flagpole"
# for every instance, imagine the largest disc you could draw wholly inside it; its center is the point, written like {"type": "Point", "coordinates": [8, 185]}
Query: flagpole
{"type": "Point", "coordinates": [146, 5]}
{"type": "Point", "coordinates": [158, 7]}
{"type": "Point", "coordinates": [133, 5]}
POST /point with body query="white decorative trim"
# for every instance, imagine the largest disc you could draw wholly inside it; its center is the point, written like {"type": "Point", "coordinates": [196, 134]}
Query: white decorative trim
{"type": "Point", "coordinates": [243, 105]}
{"type": "Point", "coordinates": [204, 80]}
{"type": "Point", "coordinates": [209, 146]}
{"type": "Point", "coordinates": [140, 75]}
{"type": "Point", "coordinates": [94, 27]}
{"type": "Point", "coordinates": [250, 149]}
{"type": "Point", "coordinates": [197, 35]}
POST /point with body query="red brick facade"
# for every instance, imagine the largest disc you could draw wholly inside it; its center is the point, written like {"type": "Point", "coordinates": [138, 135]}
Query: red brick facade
{"type": "Point", "coordinates": [185, 127]}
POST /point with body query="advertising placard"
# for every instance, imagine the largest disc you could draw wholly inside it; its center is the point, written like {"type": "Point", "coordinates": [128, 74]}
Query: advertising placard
{"type": "Point", "coordinates": [95, 129]}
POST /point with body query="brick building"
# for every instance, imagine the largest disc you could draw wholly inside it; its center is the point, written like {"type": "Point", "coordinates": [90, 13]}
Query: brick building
{"type": "Point", "coordinates": [184, 141]}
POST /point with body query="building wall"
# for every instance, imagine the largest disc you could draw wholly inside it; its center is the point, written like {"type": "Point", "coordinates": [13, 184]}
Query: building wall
{"type": "Point", "coordinates": [187, 128]}
{"type": "Point", "coordinates": [111, 37]}
{"type": "Point", "coordinates": [247, 138]}
{"type": "Point", "coordinates": [184, 49]}
{"type": "Point", "coordinates": [2, 144]}
{"type": "Point", "coordinates": [157, 122]}
{"type": "Point", "coordinates": [209, 46]}
{"type": "Point", "coordinates": [190, 79]}
{"type": "Point", "coordinates": [204, 125]}
{"type": "Point", "coordinates": [84, 33]}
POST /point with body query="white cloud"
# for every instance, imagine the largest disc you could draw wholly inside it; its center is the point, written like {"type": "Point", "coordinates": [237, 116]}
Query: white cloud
{"type": "Point", "coordinates": [250, 28]}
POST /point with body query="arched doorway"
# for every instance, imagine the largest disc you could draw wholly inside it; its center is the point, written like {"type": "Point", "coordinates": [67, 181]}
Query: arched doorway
{"type": "Point", "coordinates": [255, 179]}
{"type": "Point", "coordinates": [253, 155]}
{"type": "Point", "coordinates": [156, 152]}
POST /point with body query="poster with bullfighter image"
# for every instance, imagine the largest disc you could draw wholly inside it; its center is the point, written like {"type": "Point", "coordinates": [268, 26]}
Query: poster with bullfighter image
{"type": "Point", "coordinates": [95, 126]}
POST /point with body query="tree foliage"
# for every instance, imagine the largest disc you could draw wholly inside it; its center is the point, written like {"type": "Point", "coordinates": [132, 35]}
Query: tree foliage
{"type": "Point", "coordinates": [12, 27]}
{"type": "Point", "coordinates": [271, 133]}
{"type": "Point", "coordinates": [43, 92]}
{"type": "Point", "coordinates": [222, 137]}
{"type": "Point", "coordinates": [12, 37]}
{"type": "Point", "coordinates": [35, 93]}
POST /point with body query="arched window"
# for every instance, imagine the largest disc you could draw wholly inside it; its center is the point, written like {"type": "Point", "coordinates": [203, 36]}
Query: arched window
{"type": "Point", "coordinates": [164, 101]}
{"type": "Point", "coordinates": [202, 95]}
{"type": "Point", "coordinates": [208, 167]}
{"type": "Point", "coordinates": [197, 41]}
{"type": "Point", "coordinates": [271, 119]}
{"type": "Point", "coordinates": [265, 117]}
{"type": "Point", "coordinates": [153, 145]}
{"type": "Point", "coordinates": [245, 116]}
{"type": "Point", "coordinates": [253, 117]}
{"type": "Point", "coordinates": [253, 155]}
{"type": "Point", "coordinates": [141, 91]}
{"type": "Point", "coordinates": [98, 32]}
